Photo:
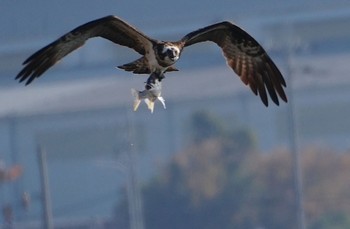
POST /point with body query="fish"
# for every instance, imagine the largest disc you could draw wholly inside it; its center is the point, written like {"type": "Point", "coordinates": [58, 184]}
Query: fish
{"type": "Point", "coordinates": [151, 93]}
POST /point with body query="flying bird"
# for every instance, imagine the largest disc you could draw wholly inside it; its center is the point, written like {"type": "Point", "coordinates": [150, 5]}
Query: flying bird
{"type": "Point", "coordinates": [243, 54]}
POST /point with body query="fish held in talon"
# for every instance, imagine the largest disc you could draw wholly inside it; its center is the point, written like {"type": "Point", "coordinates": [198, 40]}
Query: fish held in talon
{"type": "Point", "coordinates": [149, 96]}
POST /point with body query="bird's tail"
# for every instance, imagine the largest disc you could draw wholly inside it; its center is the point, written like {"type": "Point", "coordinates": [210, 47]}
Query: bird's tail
{"type": "Point", "coordinates": [137, 99]}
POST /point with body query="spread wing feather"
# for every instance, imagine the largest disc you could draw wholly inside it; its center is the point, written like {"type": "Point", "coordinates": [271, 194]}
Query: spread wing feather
{"type": "Point", "coordinates": [245, 56]}
{"type": "Point", "coordinates": [110, 27]}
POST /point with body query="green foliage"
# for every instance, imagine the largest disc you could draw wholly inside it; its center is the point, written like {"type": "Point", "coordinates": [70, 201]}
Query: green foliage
{"type": "Point", "coordinates": [204, 125]}
{"type": "Point", "coordinates": [333, 220]}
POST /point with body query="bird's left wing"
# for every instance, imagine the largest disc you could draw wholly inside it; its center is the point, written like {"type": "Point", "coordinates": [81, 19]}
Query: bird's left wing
{"type": "Point", "coordinates": [110, 27]}
{"type": "Point", "coordinates": [245, 56]}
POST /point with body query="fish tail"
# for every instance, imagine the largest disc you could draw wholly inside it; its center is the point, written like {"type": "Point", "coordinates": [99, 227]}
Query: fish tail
{"type": "Point", "coordinates": [137, 99]}
{"type": "Point", "coordinates": [161, 99]}
{"type": "Point", "coordinates": [150, 104]}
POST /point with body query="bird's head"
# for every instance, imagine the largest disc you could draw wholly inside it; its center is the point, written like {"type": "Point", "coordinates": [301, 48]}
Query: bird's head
{"type": "Point", "coordinates": [169, 53]}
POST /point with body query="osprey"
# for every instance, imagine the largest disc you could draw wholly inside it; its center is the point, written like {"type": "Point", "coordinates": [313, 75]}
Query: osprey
{"type": "Point", "coordinates": [243, 54]}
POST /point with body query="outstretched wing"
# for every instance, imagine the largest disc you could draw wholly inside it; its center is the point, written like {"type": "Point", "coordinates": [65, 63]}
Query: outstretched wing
{"type": "Point", "coordinates": [245, 56]}
{"type": "Point", "coordinates": [110, 27]}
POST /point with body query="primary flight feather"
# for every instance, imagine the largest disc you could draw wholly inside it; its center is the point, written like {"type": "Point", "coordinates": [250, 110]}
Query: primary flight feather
{"type": "Point", "coordinates": [243, 54]}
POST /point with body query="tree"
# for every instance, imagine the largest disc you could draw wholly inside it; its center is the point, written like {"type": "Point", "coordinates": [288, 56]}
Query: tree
{"type": "Point", "coordinates": [220, 181]}
{"type": "Point", "coordinates": [205, 125]}
{"type": "Point", "coordinates": [326, 185]}
{"type": "Point", "coordinates": [202, 187]}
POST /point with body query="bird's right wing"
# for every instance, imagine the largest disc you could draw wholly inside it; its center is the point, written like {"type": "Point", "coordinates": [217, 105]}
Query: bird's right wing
{"type": "Point", "coordinates": [110, 27]}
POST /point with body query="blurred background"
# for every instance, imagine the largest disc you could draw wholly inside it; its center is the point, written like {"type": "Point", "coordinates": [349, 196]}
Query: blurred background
{"type": "Point", "coordinates": [73, 154]}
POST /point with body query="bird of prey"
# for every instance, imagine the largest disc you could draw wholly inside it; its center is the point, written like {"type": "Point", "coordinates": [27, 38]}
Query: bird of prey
{"type": "Point", "coordinates": [243, 54]}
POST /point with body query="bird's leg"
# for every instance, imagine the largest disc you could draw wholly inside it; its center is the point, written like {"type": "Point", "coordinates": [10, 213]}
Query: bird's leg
{"type": "Point", "coordinates": [152, 79]}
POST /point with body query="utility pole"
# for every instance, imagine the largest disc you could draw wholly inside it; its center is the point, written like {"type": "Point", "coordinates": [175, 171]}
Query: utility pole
{"type": "Point", "coordinates": [287, 45]}
{"type": "Point", "coordinates": [45, 191]}
{"type": "Point", "coordinates": [297, 170]}
{"type": "Point", "coordinates": [134, 192]}
{"type": "Point", "coordinates": [292, 45]}
{"type": "Point", "coordinates": [16, 190]}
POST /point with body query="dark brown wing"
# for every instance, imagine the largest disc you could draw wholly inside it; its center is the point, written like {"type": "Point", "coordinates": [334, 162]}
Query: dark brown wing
{"type": "Point", "coordinates": [245, 56]}
{"type": "Point", "coordinates": [110, 27]}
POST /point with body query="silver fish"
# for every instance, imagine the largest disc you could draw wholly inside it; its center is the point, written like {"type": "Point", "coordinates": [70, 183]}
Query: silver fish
{"type": "Point", "coordinates": [149, 95]}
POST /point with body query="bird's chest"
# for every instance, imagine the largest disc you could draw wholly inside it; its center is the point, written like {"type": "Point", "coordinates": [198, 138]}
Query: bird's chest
{"type": "Point", "coordinates": [156, 64]}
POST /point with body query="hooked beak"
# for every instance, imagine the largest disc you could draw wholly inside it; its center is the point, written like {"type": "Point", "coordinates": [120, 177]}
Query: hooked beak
{"type": "Point", "coordinates": [172, 55]}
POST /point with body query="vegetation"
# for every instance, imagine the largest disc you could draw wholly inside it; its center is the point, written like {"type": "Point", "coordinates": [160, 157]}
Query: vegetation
{"type": "Point", "coordinates": [220, 181]}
